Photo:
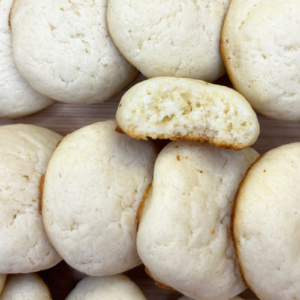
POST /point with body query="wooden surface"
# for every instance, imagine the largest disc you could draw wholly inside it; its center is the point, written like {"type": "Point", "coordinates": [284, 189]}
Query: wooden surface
{"type": "Point", "coordinates": [65, 118]}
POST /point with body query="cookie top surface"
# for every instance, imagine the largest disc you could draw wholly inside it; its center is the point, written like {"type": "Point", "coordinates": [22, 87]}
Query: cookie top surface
{"type": "Point", "coordinates": [187, 109]}
{"type": "Point", "coordinates": [2, 282]}
{"type": "Point", "coordinates": [24, 154]}
{"type": "Point", "coordinates": [262, 60]}
{"type": "Point", "coordinates": [118, 287]}
{"type": "Point", "coordinates": [94, 183]}
{"type": "Point", "coordinates": [170, 38]}
{"type": "Point", "coordinates": [63, 49]}
{"type": "Point", "coordinates": [24, 287]}
{"type": "Point", "coordinates": [17, 97]}
{"type": "Point", "coordinates": [266, 224]}
{"type": "Point", "coordinates": [184, 232]}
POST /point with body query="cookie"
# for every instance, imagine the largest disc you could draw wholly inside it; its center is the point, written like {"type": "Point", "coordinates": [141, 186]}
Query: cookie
{"type": "Point", "coordinates": [95, 181]}
{"type": "Point", "coordinates": [187, 298]}
{"type": "Point", "coordinates": [17, 97]}
{"type": "Point", "coordinates": [261, 59]}
{"type": "Point", "coordinates": [266, 224]}
{"type": "Point", "coordinates": [187, 109]}
{"type": "Point", "coordinates": [25, 286]}
{"type": "Point", "coordinates": [2, 282]}
{"type": "Point", "coordinates": [24, 154]}
{"type": "Point", "coordinates": [63, 49]}
{"type": "Point", "coordinates": [106, 288]}
{"type": "Point", "coordinates": [170, 38]}
{"type": "Point", "coordinates": [184, 231]}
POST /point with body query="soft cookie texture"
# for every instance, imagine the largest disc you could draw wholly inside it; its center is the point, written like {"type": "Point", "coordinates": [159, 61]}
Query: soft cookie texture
{"type": "Point", "coordinates": [25, 286]}
{"type": "Point", "coordinates": [184, 231]}
{"type": "Point", "coordinates": [266, 225]}
{"type": "Point", "coordinates": [24, 154]}
{"type": "Point", "coordinates": [63, 49]}
{"type": "Point", "coordinates": [106, 288]}
{"type": "Point", "coordinates": [17, 97]}
{"type": "Point", "coordinates": [170, 38]}
{"type": "Point", "coordinates": [2, 282]}
{"type": "Point", "coordinates": [94, 183]}
{"type": "Point", "coordinates": [187, 109]}
{"type": "Point", "coordinates": [260, 48]}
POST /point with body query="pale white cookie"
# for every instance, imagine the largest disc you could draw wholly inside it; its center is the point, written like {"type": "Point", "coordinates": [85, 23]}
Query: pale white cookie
{"type": "Point", "coordinates": [260, 48]}
{"type": "Point", "coordinates": [24, 154]}
{"type": "Point", "coordinates": [95, 181]}
{"type": "Point", "coordinates": [266, 225]}
{"type": "Point", "coordinates": [25, 287]}
{"type": "Point", "coordinates": [106, 288]}
{"type": "Point", "coordinates": [187, 109]}
{"type": "Point", "coordinates": [17, 97]}
{"type": "Point", "coordinates": [2, 282]}
{"type": "Point", "coordinates": [187, 298]}
{"type": "Point", "coordinates": [63, 49]}
{"type": "Point", "coordinates": [184, 230]}
{"type": "Point", "coordinates": [170, 38]}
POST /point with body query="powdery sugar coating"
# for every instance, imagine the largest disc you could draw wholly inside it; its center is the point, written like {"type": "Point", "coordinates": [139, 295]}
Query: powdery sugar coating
{"type": "Point", "coordinates": [170, 38]}
{"type": "Point", "coordinates": [24, 154]}
{"type": "Point", "coordinates": [187, 109]}
{"type": "Point", "coordinates": [266, 225]}
{"type": "Point", "coordinates": [25, 287]}
{"type": "Point", "coordinates": [94, 183]}
{"type": "Point", "coordinates": [63, 49]}
{"type": "Point", "coordinates": [184, 234]}
{"type": "Point", "coordinates": [187, 298]}
{"type": "Point", "coordinates": [261, 50]}
{"type": "Point", "coordinates": [17, 97]}
{"type": "Point", "coordinates": [106, 288]}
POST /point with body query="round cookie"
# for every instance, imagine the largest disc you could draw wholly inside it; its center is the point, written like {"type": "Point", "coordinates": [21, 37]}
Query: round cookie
{"type": "Point", "coordinates": [266, 224]}
{"type": "Point", "coordinates": [2, 282]}
{"type": "Point", "coordinates": [187, 298]}
{"type": "Point", "coordinates": [260, 48]}
{"type": "Point", "coordinates": [184, 230]}
{"type": "Point", "coordinates": [17, 97]}
{"type": "Point", "coordinates": [106, 288]}
{"type": "Point", "coordinates": [95, 181]}
{"type": "Point", "coordinates": [63, 49]}
{"type": "Point", "coordinates": [170, 38]}
{"type": "Point", "coordinates": [24, 154]}
{"type": "Point", "coordinates": [187, 109]}
{"type": "Point", "coordinates": [25, 286]}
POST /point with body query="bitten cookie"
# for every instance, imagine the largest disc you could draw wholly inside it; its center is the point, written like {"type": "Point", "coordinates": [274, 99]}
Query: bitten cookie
{"type": "Point", "coordinates": [2, 282]}
{"type": "Point", "coordinates": [95, 181]}
{"type": "Point", "coordinates": [260, 48]}
{"type": "Point", "coordinates": [25, 286]}
{"type": "Point", "coordinates": [266, 225]}
{"type": "Point", "coordinates": [17, 97]}
{"type": "Point", "coordinates": [63, 49]}
{"type": "Point", "coordinates": [24, 154]}
{"type": "Point", "coordinates": [170, 38]}
{"type": "Point", "coordinates": [184, 231]}
{"type": "Point", "coordinates": [186, 109]}
{"type": "Point", "coordinates": [106, 288]}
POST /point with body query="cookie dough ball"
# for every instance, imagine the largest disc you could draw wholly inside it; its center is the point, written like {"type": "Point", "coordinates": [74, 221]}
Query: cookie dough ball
{"type": "Point", "coordinates": [25, 286]}
{"type": "Point", "coordinates": [260, 48]}
{"type": "Point", "coordinates": [94, 184]}
{"type": "Point", "coordinates": [17, 97]}
{"type": "Point", "coordinates": [187, 109]}
{"type": "Point", "coordinates": [106, 288]}
{"type": "Point", "coordinates": [266, 225]}
{"type": "Point", "coordinates": [63, 49]}
{"type": "Point", "coordinates": [24, 154]}
{"type": "Point", "coordinates": [184, 231]}
{"type": "Point", "coordinates": [170, 38]}
{"type": "Point", "coordinates": [187, 298]}
{"type": "Point", "coordinates": [2, 282]}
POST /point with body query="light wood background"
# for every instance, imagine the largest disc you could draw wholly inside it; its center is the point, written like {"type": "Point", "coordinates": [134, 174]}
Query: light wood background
{"type": "Point", "coordinates": [65, 118]}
